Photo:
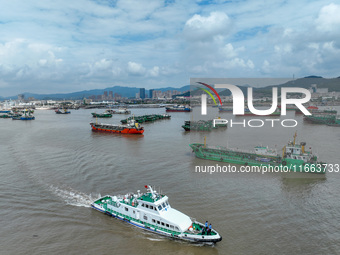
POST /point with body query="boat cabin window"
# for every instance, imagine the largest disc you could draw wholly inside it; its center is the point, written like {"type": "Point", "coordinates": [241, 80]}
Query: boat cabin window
{"type": "Point", "coordinates": [153, 221]}
{"type": "Point", "coordinates": [158, 222]}
{"type": "Point", "coordinates": [146, 206]}
{"type": "Point", "coordinates": [176, 228]}
{"type": "Point", "coordinates": [164, 205]}
{"type": "Point", "coordinates": [143, 205]}
{"type": "Point", "coordinates": [166, 202]}
{"type": "Point", "coordinates": [145, 217]}
{"type": "Point", "coordinates": [171, 226]}
{"type": "Point", "coordinates": [155, 208]}
{"type": "Point", "coordinates": [126, 209]}
{"type": "Point", "coordinates": [167, 225]}
{"type": "Point", "coordinates": [159, 207]}
{"type": "Point", "coordinates": [151, 207]}
{"type": "Point", "coordinates": [162, 223]}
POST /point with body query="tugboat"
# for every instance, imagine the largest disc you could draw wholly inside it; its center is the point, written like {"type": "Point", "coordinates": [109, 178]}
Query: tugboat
{"type": "Point", "coordinates": [151, 211]}
{"type": "Point", "coordinates": [294, 157]}
{"type": "Point", "coordinates": [63, 111]}
{"type": "Point", "coordinates": [130, 128]}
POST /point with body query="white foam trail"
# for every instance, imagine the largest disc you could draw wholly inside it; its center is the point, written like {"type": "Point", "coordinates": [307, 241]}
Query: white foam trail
{"type": "Point", "coordinates": [73, 197]}
{"type": "Point", "coordinates": [154, 239]}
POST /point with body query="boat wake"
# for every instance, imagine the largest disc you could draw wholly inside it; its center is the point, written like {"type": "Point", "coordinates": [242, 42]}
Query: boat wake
{"type": "Point", "coordinates": [73, 197]}
{"type": "Point", "coordinates": [156, 239]}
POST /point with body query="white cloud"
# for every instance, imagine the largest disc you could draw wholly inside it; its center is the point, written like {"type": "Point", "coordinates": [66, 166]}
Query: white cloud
{"type": "Point", "coordinates": [203, 28]}
{"type": "Point", "coordinates": [135, 68]}
{"type": "Point", "coordinates": [154, 72]}
{"type": "Point", "coordinates": [329, 18]}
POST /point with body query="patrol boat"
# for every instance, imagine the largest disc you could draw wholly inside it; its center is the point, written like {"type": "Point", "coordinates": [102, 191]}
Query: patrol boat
{"type": "Point", "coordinates": [151, 211]}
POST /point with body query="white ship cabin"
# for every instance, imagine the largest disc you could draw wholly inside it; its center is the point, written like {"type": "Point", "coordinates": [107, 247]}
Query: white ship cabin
{"type": "Point", "coordinates": [154, 209]}
{"type": "Point", "coordinates": [260, 150]}
{"type": "Point", "coordinates": [297, 151]}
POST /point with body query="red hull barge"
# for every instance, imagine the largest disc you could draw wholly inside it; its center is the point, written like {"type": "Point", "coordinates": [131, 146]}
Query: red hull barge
{"type": "Point", "coordinates": [131, 128]}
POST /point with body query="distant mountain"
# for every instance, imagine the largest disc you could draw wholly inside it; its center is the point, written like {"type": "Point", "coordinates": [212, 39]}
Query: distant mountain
{"type": "Point", "coordinates": [332, 84]}
{"type": "Point", "coordinates": [123, 91]}
{"type": "Point", "coordinates": [313, 76]}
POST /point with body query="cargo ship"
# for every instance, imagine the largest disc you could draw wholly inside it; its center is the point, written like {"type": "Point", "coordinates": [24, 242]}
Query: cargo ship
{"type": "Point", "coordinates": [178, 108]}
{"type": "Point", "coordinates": [327, 119]}
{"type": "Point", "coordinates": [202, 125]}
{"type": "Point", "coordinates": [312, 109]}
{"type": "Point", "coordinates": [152, 212]}
{"type": "Point", "coordinates": [146, 118]}
{"type": "Point", "coordinates": [294, 157]}
{"type": "Point", "coordinates": [132, 127]}
{"type": "Point", "coordinates": [105, 114]}
{"type": "Point", "coordinates": [119, 111]}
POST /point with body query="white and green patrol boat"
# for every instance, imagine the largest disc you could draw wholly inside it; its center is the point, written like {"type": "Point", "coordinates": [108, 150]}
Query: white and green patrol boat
{"type": "Point", "coordinates": [151, 211]}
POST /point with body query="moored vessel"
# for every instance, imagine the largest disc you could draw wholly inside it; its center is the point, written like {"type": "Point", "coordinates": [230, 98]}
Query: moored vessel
{"type": "Point", "coordinates": [294, 158]}
{"type": "Point", "coordinates": [146, 118]}
{"type": "Point", "coordinates": [105, 114]}
{"type": "Point", "coordinates": [119, 111]}
{"type": "Point", "coordinates": [151, 211]}
{"type": "Point", "coordinates": [178, 108]}
{"type": "Point", "coordinates": [200, 125]}
{"type": "Point", "coordinates": [26, 115]}
{"type": "Point", "coordinates": [62, 111]}
{"type": "Point", "coordinates": [132, 127]}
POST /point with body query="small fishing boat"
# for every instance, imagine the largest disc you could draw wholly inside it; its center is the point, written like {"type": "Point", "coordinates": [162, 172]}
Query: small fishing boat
{"type": "Point", "coordinates": [62, 111]}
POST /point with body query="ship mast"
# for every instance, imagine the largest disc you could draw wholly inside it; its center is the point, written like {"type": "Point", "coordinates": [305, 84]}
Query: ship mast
{"type": "Point", "coordinates": [294, 138]}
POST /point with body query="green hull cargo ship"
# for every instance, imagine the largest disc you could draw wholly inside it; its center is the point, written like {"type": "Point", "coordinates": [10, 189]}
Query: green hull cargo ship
{"type": "Point", "coordinates": [294, 157]}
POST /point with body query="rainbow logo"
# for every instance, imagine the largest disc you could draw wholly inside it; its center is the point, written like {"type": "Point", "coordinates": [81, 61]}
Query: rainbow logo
{"type": "Point", "coordinates": [208, 92]}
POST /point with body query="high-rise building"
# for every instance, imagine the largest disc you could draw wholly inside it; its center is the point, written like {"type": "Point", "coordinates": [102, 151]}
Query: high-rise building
{"type": "Point", "coordinates": [150, 93]}
{"type": "Point", "coordinates": [117, 96]}
{"type": "Point", "coordinates": [142, 93]}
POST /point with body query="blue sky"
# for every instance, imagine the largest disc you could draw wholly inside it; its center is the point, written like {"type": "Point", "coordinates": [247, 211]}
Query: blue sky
{"type": "Point", "coordinates": [65, 46]}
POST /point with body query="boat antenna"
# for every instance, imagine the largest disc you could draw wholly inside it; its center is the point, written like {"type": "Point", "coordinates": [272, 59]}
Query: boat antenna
{"type": "Point", "coordinates": [294, 137]}
{"type": "Point", "coordinates": [283, 151]}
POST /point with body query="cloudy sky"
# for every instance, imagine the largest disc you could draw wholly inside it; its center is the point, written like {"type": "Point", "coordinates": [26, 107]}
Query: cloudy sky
{"type": "Point", "coordinates": [49, 46]}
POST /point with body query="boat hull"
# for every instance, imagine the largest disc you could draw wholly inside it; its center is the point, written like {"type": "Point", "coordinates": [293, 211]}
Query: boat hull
{"type": "Point", "coordinates": [23, 118]}
{"type": "Point", "coordinates": [123, 131]}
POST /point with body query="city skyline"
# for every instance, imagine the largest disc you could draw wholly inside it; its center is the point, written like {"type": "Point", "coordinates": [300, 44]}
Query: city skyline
{"type": "Point", "coordinates": [61, 47]}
